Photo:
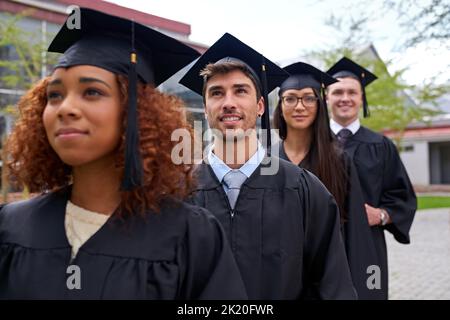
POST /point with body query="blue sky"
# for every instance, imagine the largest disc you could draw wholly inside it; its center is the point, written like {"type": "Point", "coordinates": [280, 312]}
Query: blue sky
{"type": "Point", "coordinates": [284, 30]}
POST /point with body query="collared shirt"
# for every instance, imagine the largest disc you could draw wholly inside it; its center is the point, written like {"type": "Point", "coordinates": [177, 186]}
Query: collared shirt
{"type": "Point", "coordinates": [221, 169]}
{"type": "Point", "coordinates": [353, 127]}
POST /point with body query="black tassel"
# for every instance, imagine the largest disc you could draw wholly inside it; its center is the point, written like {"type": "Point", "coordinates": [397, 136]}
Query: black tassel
{"type": "Point", "coordinates": [325, 107]}
{"type": "Point", "coordinates": [365, 106]}
{"type": "Point", "coordinates": [324, 99]}
{"type": "Point", "coordinates": [265, 123]}
{"type": "Point", "coordinates": [133, 163]}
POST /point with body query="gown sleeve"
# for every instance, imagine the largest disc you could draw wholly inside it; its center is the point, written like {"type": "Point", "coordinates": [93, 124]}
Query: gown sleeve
{"type": "Point", "coordinates": [211, 271]}
{"type": "Point", "coordinates": [398, 197]}
{"type": "Point", "coordinates": [327, 274]}
{"type": "Point", "coordinates": [359, 244]}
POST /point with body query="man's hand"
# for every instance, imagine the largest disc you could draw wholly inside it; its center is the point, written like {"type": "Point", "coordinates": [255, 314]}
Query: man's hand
{"type": "Point", "coordinates": [374, 215]}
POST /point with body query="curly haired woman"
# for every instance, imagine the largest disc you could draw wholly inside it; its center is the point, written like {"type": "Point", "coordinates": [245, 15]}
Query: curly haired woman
{"type": "Point", "coordinates": [94, 140]}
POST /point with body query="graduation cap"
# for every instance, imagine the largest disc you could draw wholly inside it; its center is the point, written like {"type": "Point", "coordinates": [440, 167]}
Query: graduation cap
{"type": "Point", "coordinates": [227, 49]}
{"type": "Point", "coordinates": [127, 48]}
{"type": "Point", "coordinates": [304, 75]}
{"type": "Point", "coordinates": [345, 68]}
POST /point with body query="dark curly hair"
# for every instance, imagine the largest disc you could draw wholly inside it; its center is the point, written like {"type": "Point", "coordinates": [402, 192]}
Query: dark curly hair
{"type": "Point", "coordinates": [33, 163]}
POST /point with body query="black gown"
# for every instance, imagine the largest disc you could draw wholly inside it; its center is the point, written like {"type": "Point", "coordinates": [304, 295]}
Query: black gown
{"type": "Point", "coordinates": [181, 253]}
{"type": "Point", "coordinates": [385, 184]}
{"type": "Point", "coordinates": [284, 233]}
{"type": "Point", "coordinates": [359, 244]}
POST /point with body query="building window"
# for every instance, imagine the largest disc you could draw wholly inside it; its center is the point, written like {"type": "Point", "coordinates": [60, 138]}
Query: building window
{"type": "Point", "coordinates": [408, 148]}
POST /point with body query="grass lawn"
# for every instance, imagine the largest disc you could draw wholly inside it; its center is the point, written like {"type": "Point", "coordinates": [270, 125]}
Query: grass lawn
{"type": "Point", "coordinates": [433, 202]}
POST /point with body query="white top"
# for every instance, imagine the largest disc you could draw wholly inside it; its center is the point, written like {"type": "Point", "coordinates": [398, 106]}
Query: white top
{"type": "Point", "coordinates": [353, 127]}
{"type": "Point", "coordinates": [81, 224]}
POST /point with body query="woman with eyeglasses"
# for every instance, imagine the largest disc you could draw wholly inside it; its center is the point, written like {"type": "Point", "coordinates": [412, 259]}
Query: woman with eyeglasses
{"type": "Point", "coordinates": [302, 119]}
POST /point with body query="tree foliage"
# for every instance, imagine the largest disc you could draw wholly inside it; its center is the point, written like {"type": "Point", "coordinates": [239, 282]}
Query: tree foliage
{"type": "Point", "coordinates": [422, 20]}
{"type": "Point", "coordinates": [23, 58]}
{"type": "Point", "coordinates": [392, 103]}
{"type": "Point", "coordinates": [26, 54]}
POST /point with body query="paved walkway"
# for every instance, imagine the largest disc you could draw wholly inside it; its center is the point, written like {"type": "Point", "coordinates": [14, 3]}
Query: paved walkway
{"type": "Point", "coordinates": [421, 270]}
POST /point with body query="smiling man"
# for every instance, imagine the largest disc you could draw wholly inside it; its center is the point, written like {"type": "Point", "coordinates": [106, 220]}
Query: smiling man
{"type": "Point", "coordinates": [236, 126]}
{"type": "Point", "coordinates": [390, 201]}
{"type": "Point", "coordinates": [283, 227]}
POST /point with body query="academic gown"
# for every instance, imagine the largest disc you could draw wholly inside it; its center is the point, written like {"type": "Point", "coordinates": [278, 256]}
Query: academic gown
{"type": "Point", "coordinates": [357, 234]}
{"type": "Point", "coordinates": [385, 184]}
{"type": "Point", "coordinates": [180, 253]}
{"type": "Point", "coordinates": [284, 233]}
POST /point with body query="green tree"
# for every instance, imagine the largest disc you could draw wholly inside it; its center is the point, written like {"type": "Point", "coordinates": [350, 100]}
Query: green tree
{"type": "Point", "coordinates": [422, 21]}
{"type": "Point", "coordinates": [22, 61]}
{"type": "Point", "coordinates": [24, 65]}
{"type": "Point", "coordinates": [393, 104]}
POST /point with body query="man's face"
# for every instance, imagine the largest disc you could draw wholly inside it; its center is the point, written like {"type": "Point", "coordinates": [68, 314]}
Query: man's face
{"type": "Point", "coordinates": [345, 99]}
{"type": "Point", "coordinates": [231, 103]}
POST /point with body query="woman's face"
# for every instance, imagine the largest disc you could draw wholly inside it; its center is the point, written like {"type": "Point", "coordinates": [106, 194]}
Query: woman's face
{"type": "Point", "coordinates": [299, 108]}
{"type": "Point", "coordinates": [83, 115]}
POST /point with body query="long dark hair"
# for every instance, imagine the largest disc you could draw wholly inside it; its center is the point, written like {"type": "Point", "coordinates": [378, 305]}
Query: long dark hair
{"type": "Point", "coordinates": [325, 158]}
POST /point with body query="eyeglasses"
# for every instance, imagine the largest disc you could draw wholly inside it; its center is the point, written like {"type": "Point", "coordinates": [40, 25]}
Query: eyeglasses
{"type": "Point", "coordinates": [308, 101]}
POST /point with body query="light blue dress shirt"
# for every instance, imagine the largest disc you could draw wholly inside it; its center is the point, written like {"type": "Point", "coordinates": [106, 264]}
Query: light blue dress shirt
{"type": "Point", "coordinates": [221, 169]}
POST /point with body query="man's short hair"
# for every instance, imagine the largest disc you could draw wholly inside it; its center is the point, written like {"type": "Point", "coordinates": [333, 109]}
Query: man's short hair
{"type": "Point", "coordinates": [224, 67]}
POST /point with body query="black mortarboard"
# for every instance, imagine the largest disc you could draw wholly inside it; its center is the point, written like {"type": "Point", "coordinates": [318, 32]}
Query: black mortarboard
{"type": "Point", "coordinates": [228, 48]}
{"type": "Point", "coordinates": [345, 68]}
{"type": "Point", "coordinates": [304, 75]}
{"type": "Point", "coordinates": [127, 48]}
